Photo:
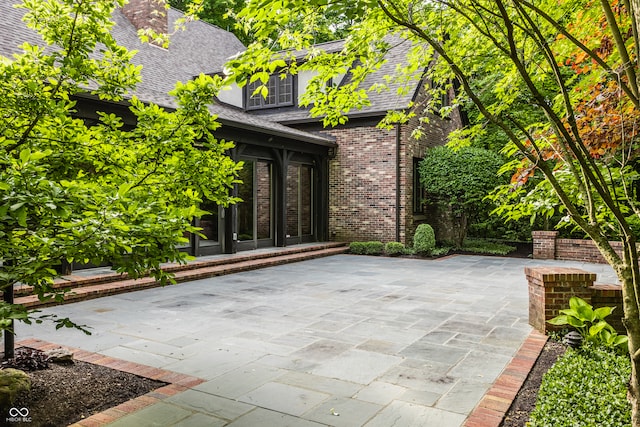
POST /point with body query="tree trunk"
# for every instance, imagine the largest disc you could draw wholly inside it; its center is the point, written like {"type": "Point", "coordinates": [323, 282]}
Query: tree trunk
{"type": "Point", "coordinates": [631, 320]}
{"type": "Point", "coordinates": [9, 342]}
{"type": "Point", "coordinates": [632, 324]}
{"type": "Point", "coordinates": [449, 224]}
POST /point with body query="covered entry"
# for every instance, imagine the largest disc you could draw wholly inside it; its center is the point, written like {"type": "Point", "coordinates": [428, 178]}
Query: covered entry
{"type": "Point", "coordinates": [284, 192]}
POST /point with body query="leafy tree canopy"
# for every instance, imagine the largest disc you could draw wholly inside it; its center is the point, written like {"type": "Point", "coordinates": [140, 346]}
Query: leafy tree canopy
{"type": "Point", "coordinates": [333, 25]}
{"type": "Point", "coordinates": [217, 12]}
{"type": "Point", "coordinates": [96, 191]}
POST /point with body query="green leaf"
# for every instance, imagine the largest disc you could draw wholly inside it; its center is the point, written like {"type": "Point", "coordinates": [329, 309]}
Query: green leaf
{"type": "Point", "coordinates": [602, 312]}
{"type": "Point", "coordinates": [21, 215]}
{"type": "Point", "coordinates": [597, 328]}
{"type": "Point", "coordinates": [25, 155]}
{"type": "Point", "coordinates": [559, 320]}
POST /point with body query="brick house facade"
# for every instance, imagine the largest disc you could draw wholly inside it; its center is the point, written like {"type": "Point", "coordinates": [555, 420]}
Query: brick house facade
{"type": "Point", "coordinates": [372, 179]}
{"type": "Point", "coordinates": [302, 182]}
{"type": "Point", "coordinates": [373, 184]}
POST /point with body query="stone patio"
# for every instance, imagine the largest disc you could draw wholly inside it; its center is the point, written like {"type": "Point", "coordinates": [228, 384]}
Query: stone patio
{"type": "Point", "coordinates": [342, 341]}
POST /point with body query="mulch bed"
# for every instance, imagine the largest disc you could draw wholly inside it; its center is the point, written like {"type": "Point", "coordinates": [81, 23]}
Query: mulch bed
{"type": "Point", "coordinates": [66, 393]}
{"type": "Point", "coordinates": [525, 401]}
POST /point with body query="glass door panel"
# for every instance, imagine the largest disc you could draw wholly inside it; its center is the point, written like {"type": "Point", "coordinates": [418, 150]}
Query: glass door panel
{"type": "Point", "coordinates": [299, 203]}
{"type": "Point", "coordinates": [306, 200]}
{"type": "Point", "coordinates": [263, 200]}
{"type": "Point", "coordinates": [293, 201]}
{"type": "Point", "coordinates": [246, 206]}
{"type": "Point", "coordinates": [210, 227]}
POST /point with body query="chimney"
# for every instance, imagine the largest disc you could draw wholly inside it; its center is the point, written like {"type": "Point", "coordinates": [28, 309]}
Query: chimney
{"type": "Point", "coordinates": [147, 14]}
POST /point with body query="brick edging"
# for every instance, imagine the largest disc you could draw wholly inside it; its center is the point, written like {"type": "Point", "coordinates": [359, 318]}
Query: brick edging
{"type": "Point", "coordinates": [177, 383]}
{"type": "Point", "coordinates": [497, 401]}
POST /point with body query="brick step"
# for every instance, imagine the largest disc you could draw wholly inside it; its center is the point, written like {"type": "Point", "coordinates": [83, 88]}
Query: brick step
{"type": "Point", "coordinates": [75, 281]}
{"type": "Point", "coordinates": [206, 269]}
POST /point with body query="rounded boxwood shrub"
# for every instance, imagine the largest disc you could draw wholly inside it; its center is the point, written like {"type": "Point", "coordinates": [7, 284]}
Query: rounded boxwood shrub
{"type": "Point", "coordinates": [373, 248]}
{"type": "Point", "coordinates": [356, 248]}
{"type": "Point", "coordinates": [366, 248]}
{"type": "Point", "coordinates": [424, 241]}
{"type": "Point", "coordinates": [394, 248]}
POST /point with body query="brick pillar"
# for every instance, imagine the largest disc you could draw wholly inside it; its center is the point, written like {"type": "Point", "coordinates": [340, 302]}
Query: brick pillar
{"type": "Point", "coordinates": [550, 289]}
{"type": "Point", "coordinates": [610, 296]}
{"type": "Point", "coordinates": [544, 244]}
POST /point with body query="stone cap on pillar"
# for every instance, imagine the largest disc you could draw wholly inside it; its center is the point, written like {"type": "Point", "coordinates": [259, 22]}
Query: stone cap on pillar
{"type": "Point", "coordinates": [559, 274]}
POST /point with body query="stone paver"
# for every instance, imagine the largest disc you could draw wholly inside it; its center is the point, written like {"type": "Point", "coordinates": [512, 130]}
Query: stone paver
{"type": "Point", "coordinates": [375, 340]}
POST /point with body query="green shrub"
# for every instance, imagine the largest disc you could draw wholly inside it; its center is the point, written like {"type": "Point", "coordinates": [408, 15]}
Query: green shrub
{"type": "Point", "coordinates": [424, 241]}
{"type": "Point", "coordinates": [585, 387]}
{"type": "Point", "coordinates": [366, 248]}
{"type": "Point", "coordinates": [441, 251]}
{"type": "Point", "coordinates": [356, 248]}
{"type": "Point", "coordinates": [374, 248]}
{"type": "Point", "coordinates": [394, 248]}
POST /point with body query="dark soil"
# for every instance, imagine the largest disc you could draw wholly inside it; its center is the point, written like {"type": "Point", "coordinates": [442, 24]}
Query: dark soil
{"type": "Point", "coordinates": [66, 393]}
{"type": "Point", "coordinates": [525, 401]}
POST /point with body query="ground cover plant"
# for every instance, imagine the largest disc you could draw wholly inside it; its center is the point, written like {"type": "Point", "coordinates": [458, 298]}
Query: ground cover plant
{"type": "Point", "coordinates": [586, 387]}
{"type": "Point", "coordinates": [588, 383]}
{"type": "Point", "coordinates": [483, 246]}
{"type": "Point", "coordinates": [590, 323]}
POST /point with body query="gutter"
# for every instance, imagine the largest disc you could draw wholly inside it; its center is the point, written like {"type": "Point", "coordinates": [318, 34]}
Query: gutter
{"type": "Point", "coordinates": [398, 196]}
{"type": "Point", "coordinates": [303, 137]}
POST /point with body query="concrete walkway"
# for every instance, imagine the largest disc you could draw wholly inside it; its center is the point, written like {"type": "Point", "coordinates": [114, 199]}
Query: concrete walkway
{"type": "Point", "coordinates": [342, 341]}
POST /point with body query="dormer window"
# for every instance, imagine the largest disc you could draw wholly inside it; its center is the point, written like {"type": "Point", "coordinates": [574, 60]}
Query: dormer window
{"type": "Point", "coordinates": [280, 93]}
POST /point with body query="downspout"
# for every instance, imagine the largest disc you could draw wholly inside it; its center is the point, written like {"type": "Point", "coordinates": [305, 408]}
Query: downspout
{"type": "Point", "coordinates": [398, 195]}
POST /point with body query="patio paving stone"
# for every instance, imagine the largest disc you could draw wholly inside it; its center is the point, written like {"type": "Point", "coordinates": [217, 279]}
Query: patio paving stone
{"type": "Point", "coordinates": [284, 398]}
{"type": "Point", "coordinates": [380, 340]}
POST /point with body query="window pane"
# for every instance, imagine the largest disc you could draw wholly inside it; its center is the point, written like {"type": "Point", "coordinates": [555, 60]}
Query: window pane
{"type": "Point", "coordinates": [285, 90]}
{"type": "Point", "coordinates": [253, 101]}
{"type": "Point", "coordinates": [209, 223]}
{"type": "Point", "coordinates": [418, 188]}
{"type": "Point", "coordinates": [272, 96]}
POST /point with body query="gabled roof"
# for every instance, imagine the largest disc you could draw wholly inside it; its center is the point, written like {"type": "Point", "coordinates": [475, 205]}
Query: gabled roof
{"type": "Point", "coordinates": [196, 50]}
{"type": "Point", "coordinates": [398, 96]}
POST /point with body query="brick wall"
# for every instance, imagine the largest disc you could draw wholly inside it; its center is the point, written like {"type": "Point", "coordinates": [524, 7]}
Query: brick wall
{"type": "Point", "coordinates": [551, 288]}
{"type": "Point", "coordinates": [362, 183]}
{"type": "Point", "coordinates": [364, 174]}
{"type": "Point", "coordinates": [546, 245]}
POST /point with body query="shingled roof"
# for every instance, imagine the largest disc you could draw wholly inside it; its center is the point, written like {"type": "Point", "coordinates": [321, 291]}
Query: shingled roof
{"type": "Point", "coordinates": [198, 49]}
{"type": "Point", "coordinates": [381, 102]}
